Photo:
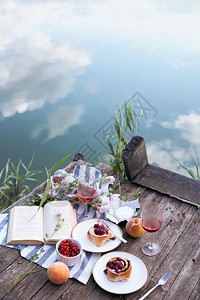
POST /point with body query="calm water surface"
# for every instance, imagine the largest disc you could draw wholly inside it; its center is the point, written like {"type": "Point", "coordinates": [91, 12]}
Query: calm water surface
{"type": "Point", "coordinates": [65, 66]}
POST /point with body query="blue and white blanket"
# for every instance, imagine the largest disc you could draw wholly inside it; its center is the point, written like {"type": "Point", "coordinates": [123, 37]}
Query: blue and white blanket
{"type": "Point", "coordinates": [81, 271]}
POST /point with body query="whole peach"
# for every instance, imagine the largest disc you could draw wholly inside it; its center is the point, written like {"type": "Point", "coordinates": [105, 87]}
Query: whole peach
{"type": "Point", "coordinates": [134, 227]}
{"type": "Point", "coordinates": [58, 273]}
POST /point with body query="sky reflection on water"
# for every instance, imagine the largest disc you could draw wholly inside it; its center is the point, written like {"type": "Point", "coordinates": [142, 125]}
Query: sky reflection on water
{"type": "Point", "coordinates": [65, 66]}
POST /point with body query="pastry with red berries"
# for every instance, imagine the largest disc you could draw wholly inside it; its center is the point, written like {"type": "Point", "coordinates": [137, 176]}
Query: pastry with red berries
{"type": "Point", "coordinates": [118, 269]}
{"type": "Point", "coordinates": [100, 234]}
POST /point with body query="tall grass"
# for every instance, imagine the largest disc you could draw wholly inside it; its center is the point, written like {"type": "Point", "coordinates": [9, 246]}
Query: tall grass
{"type": "Point", "coordinates": [188, 170]}
{"type": "Point", "coordinates": [126, 122]}
{"type": "Point", "coordinates": [14, 181]}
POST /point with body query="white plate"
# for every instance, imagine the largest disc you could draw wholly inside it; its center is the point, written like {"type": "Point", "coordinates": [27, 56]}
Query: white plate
{"type": "Point", "coordinates": [136, 281]}
{"type": "Point", "coordinates": [79, 232]}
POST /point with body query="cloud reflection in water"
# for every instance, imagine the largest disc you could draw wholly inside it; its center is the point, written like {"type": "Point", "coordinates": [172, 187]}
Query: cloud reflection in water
{"type": "Point", "coordinates": [43, 50]}
{"type": "Point", "coordinates": [58, 122]}
{"type": "Point", "coordinates": [189, 126]}
{"type": "Point", "coordinates": [168, 154]}
{"type": "Point", "coordinates": [38, 72]}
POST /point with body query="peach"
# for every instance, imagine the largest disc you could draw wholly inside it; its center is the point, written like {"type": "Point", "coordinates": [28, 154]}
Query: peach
{"type": "Point", "coordinates": [134, 227]}
{"type": "Point", "coordinates": [58, 273]}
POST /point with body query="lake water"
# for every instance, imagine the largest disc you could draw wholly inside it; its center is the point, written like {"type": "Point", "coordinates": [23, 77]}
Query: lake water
{"type": "Point", "coordinates": [66, 65]}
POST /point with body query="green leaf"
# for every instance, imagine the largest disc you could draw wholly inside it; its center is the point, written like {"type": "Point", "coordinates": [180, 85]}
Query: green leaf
{"type": "Point", "coordinates": [136, 193]}
{"type": "Point", "coordinates": [117, 127]}
{"type": "Point", "coordinates": [196, 163]}
{"type": "Point", "coordinates": [23, 274]}
{"type": "Point", "coordinates": [16, 172]}
{"type": "Point", "coordinates": [32, 179]}
{"type": "Point", "coordinates": [59, 163]}
{"type": "Point", "coordinates": [45, 194]}
{"type": "Point", "coordinates": [127, 117]}
{"type": "Point", "coordinates": [121, 123]}
{"type": "Point", "coordinates": [31, 161]}
{"type": "Point", "coordinates": [112, 152]}
{"type": "Point", "coordinates": [4, 194]}
{"type": "Point", "coordinates": [189, 171]}
{"type": "Point", "coordinates": [25, 168]}
{"type": "Point", "coordinates": [18, 166]}
{"type": "Point", "coordinates": [6, 169]}
{"type": "Point", "coordinates": [1, 173]}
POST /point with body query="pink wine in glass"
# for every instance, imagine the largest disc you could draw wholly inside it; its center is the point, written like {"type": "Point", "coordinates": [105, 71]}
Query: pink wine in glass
{"type": "Point", "coordinates": [151, 216]}
{"type": "Point", "coordinates": [86, 194]}
{"type": "Point", "coordinates": [151, 225]}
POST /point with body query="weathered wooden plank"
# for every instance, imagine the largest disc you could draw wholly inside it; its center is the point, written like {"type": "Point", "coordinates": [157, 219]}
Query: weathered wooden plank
{"type": "Point", "coordinates": [186, 279]}
{"type": "Point", "coordinates": [8, 275]}
{"type": "Point", "coordinates": [100, 294]}
{"type": "Point", "coordinates": [104, 169]}
{"type": "Point", "coordinates": [179, 254]}
{"type": "Point", "coordinates": [7, 257]}
{"type": "Point", "coordinates": [37, 286]}
{"type": "Point", "coordinates": [79, 290]}
{"type": "Point", "coordinates": [196, 292]}
{"type": "Point", "coordinates": [134, 157]}
{"type": "Point", "coordinates": [167, 182]}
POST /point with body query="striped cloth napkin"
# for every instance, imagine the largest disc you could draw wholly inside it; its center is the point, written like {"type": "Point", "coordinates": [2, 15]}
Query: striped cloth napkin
{"type": "Point", "coordinates": [83, 270]}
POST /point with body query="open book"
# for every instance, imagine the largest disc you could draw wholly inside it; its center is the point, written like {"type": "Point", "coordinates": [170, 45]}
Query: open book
{"type": "Point", "coordinates": [29, 226]}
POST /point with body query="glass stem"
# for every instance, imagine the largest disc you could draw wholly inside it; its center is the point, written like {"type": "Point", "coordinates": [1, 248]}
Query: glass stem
{"type": "Point", "coordinates": [151, 242]}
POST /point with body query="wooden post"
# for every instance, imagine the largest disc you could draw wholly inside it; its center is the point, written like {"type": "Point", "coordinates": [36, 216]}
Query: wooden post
{"type": "Point", "coordinates": [134, 157]}
{"type": "Point", "coordinates": [139, 171]}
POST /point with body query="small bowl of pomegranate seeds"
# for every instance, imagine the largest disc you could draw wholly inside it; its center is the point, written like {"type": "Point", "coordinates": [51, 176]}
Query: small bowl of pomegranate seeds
{"type": "Point", "coordinates": [69, 251]}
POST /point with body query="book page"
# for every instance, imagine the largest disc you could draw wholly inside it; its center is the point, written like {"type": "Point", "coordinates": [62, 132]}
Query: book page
{"type": "Point", "coordinates": [25, 225]}
{"type": "Point", "coordinates": [67, 212]}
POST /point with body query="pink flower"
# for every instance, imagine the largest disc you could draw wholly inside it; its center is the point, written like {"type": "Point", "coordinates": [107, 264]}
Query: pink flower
{"type": "Point", "coordinates": [65, 182]}
{"type": "Point", "coordinates": [111, 180]}
{"type": "Point", "coordinates": [103, 209]}
{"type": "Point", "coordinates": [99, 192]}
{"type": "Point", "coordinates": [53, 194]}
{"type": "Point", "coordinates": [71, 196]}
{"type": "Point", "coordinates": [55, 187]}
{"type": "Point", "coordinates": [114, 197]}
{"type": "Point", "coordinates": [58, 212]}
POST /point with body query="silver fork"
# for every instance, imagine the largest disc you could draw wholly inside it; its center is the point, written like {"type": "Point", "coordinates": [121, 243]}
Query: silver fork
{"type": "Point", "coordinates": [117, 235]}
{"type": "Point", "coordinates": [162, 281]}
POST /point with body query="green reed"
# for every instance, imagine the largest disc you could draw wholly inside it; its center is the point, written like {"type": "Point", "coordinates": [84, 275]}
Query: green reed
{"type": "Point", "coordinates": [14, 181]}
{"type": "Point", "coordinates": [188, 170]}
{"type": "Point", "coordinates": [126, 122]}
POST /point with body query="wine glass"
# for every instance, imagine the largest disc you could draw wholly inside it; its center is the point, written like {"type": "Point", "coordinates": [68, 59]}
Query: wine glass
{"type": "Point", "coordinates": [151, 217]}
{"type": "Point", "coordinates": [86, 191]}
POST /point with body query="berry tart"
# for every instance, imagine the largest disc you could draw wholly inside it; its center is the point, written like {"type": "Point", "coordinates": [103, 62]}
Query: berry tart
{"type": "Point", "coordinates": [100, 234]}
{"type": "Point", "coordinates": [118, 269]}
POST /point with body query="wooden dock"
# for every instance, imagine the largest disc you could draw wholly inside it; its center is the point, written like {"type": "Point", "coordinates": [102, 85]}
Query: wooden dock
{"type": "Point", "coordinates": [179, 238]}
